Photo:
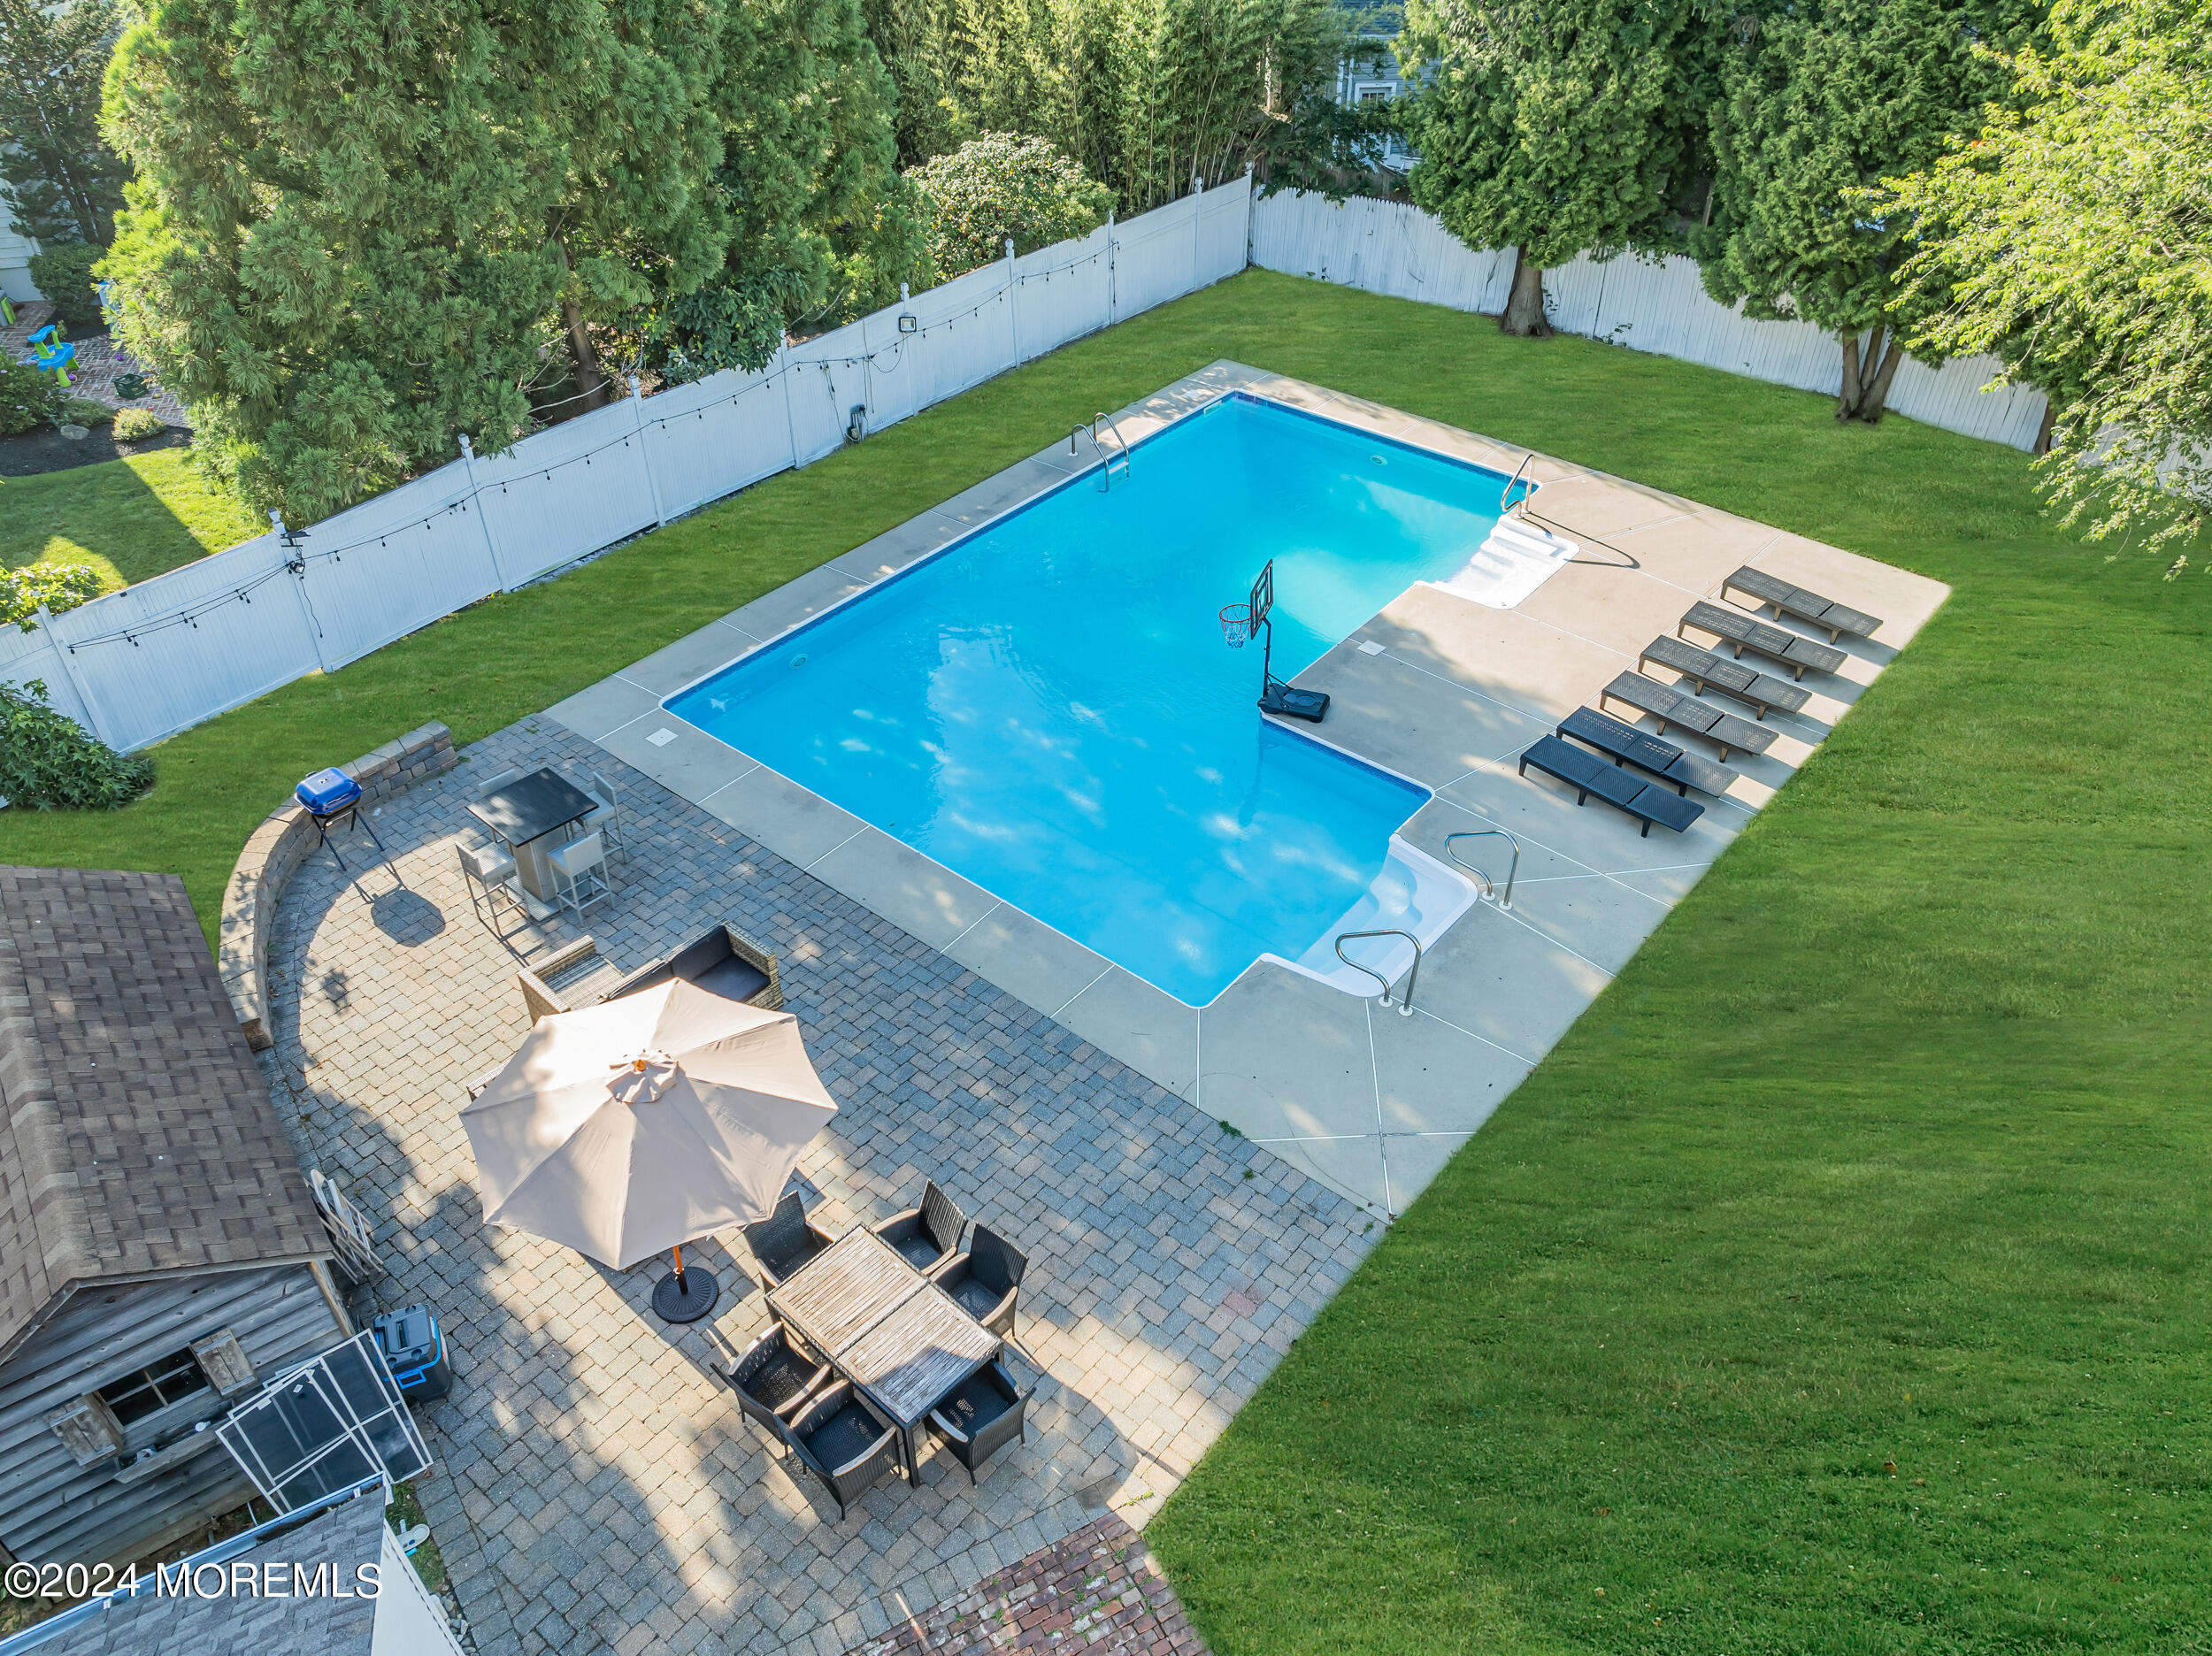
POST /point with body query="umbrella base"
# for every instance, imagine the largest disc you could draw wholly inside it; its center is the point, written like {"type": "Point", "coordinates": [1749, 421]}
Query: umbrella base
{"type": "Point", "coordinates": [685, 1296]}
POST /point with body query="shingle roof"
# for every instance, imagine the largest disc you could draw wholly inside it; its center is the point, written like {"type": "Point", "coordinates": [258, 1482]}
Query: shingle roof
{"type": "Point", "coordinates": [135, 1134]}
{"type": "Point", "coordinates": [299, 1624]}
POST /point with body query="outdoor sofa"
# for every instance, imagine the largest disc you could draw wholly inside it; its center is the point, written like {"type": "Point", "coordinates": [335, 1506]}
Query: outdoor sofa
{"type": "Point", "coordinates": [723, 960]}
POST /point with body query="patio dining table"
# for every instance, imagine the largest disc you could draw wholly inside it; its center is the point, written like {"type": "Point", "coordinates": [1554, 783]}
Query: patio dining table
{"type": "Point", "coordinates": [886, 1328]}
{"type": "Point", "coordinates": [526, 813]}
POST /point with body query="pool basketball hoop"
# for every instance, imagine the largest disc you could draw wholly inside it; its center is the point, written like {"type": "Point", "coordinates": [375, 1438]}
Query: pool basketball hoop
{"type": "Point", "coordinates": [1239, 622]}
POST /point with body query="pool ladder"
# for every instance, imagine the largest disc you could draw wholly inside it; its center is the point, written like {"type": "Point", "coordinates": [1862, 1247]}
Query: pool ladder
{"type": "Point", "coordinates": [1120, 452]}
{"type": "Point", "coordinates": [1508, 506]}
{"type": "Point", "coordinates": [1489, 886]}
{"type": "Point", "coordinates": [1405, 1001]}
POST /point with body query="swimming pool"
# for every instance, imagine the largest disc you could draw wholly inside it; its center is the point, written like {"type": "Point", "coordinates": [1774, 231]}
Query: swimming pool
{"type": "Point", "coordinates": [1046, 707]}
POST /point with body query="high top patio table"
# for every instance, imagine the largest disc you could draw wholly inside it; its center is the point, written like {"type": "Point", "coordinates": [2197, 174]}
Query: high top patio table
{"type": "Point", "coordinates": [884, 1327]}
{"type": "Point", "coordinates": [524, 814]}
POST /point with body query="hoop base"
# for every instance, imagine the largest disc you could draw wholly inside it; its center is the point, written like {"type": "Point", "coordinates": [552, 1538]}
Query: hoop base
{"type": "Point", "coordinates": [1280, 700]}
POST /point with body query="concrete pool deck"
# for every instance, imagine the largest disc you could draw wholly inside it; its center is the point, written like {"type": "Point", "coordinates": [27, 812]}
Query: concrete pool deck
{"type": "Point", "coordinates": [1436, 686]}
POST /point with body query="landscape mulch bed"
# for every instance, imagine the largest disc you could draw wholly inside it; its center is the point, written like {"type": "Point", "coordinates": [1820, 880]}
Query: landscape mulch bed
{"type": "Point", "coordinates": [34, 453]}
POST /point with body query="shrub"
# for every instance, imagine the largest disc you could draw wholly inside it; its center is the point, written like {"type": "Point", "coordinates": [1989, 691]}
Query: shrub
{"type": "Point", "coordinates": [64, 274]}
{"type": "Point", "coordinates": [58, 587]}
{"type": "Point", "coordinates": [85, 412]}
{"type": "Point", "coordinates": [137, 424]}
{"type": "Point", "coordinates": [48, 761]}
{"type": "Point", "coordinates": [1002, 185]}
{"type": "Point", "coordinates": [28, 399]}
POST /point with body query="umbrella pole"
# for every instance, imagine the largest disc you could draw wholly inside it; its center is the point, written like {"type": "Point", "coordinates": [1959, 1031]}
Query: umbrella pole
{"type": "Point", "coordinates": [684, 1296]}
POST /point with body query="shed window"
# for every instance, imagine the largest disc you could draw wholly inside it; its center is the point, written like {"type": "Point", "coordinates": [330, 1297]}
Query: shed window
{"type": "Point", "coordinates": [136, 1395]}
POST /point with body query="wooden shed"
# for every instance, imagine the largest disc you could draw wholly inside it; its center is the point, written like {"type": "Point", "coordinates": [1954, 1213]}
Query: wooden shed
{"type": "Point", "coordinates": [161, 1255]}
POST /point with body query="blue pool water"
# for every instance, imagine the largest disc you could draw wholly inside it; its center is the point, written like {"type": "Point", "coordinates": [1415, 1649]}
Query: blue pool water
{"type": "Point", "coordinates": [1048, 708]}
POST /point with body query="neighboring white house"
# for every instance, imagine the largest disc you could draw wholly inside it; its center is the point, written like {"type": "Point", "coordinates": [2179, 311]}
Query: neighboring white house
{"type": "Point", "coordinates": [15, 260]}
{"type": "Point", "coordinates": [1360, 85]}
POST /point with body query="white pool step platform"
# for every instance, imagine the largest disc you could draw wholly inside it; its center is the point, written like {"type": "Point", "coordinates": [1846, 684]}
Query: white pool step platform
{"type": "Point", "coordinates": [1516, 559]}
{"type": "Point", "coordinates": [1414, 893]}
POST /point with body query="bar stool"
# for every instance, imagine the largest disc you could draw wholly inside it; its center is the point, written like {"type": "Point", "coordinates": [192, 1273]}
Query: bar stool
{"type": "Point", "coordinates": [490, 874]}
{"type": "Point", "coordinates": [606, 817]}
{"type": "Point", "coordinates": [580, 869]}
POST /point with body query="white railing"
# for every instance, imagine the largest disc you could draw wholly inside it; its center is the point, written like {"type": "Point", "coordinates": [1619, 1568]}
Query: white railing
{"type": "Point", "coordinates": [169, 652]}
{"type": "Point", "coordinates": [161, 656]}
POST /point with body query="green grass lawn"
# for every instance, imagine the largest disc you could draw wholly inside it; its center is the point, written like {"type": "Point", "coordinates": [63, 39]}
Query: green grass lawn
{"type": "Point", "coordinates": [130, 519]}
{"type": "Point", "coordinates": [1839, 1282]}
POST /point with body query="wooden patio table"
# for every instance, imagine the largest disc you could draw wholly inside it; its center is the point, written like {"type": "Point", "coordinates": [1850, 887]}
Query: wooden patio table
{"type": "Point", "coordinates": [886, 1328]}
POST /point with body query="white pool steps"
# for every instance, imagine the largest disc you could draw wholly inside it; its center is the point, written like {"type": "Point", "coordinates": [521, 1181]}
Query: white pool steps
{"type": "Point", "coordinates": [1513, 561]}
{"type": "Point", "coordinates": [1414, 893]}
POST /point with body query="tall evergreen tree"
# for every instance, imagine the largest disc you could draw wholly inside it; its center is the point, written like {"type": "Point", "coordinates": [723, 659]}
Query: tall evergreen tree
{"type": "Point", "coordinates": [1822, 98]}
{"type": "Point", "coordinates": [357, 232]}
{"type": "Point", "coordinates": [58, 178]}
{"type": "Point", "coordinates": [1557, 127]}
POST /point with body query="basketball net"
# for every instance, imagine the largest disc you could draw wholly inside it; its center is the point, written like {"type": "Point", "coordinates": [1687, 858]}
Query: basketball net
{"type": "Point", "coordinates": [1236, 624]}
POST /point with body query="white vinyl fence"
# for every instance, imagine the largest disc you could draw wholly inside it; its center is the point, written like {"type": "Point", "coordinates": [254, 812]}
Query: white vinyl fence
{"type": "Point", "coordinates": [1391, 248]}
{"type": "Point", "coordinates": [158, 657]}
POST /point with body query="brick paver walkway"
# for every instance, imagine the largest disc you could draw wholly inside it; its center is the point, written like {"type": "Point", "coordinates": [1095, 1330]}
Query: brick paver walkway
{"type": "Point", "coordinates": [1097, 1592]}
{"type": "Point", "coordinates": [598, 1489]}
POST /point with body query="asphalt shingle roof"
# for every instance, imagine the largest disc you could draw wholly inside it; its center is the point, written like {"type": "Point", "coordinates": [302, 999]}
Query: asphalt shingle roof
{"type": "Point", "coordinates": [135, 1134]}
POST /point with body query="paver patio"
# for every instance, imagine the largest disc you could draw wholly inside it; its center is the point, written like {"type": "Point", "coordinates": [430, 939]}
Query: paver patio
{"type": "Point", "coordinates": [597, 1487]}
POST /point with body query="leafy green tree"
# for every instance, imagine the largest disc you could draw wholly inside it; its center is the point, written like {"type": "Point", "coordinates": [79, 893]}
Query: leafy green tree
{"type": "Point", "coordinates": [48, 762]}
{"type": "Point", "coordinates": [1150, 97]}
{"type": "Point", "coordinates": [339, 284]}
{"type": "Point", "coordinates": [819, 220]}
{"type": "Point", "coordinates": [1557, 127]}
{"type": "Point", "coordinates": [1821, 98]}
{"type": "Point", "coordinates": [2072, 236]}
{"type": "Point", "coordinates": [1000, 186]}
{"type": "Point", "coordinates": [58, 178]}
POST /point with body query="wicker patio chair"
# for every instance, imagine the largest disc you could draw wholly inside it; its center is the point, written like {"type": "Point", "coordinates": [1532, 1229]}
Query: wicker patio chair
{"type": "Point", "coordinates": [928, 1235]}
{"type": "Point", "coordinates": [844, 1443]}
{"type": "Point", "coordinates": [985, 1280]}
{"type": "Point", "coordinates": [785, 1240]}
{"type": "Point", "coordinates": [774, 1379]}
{"type": "Point", "coordinates": [980, 1415]}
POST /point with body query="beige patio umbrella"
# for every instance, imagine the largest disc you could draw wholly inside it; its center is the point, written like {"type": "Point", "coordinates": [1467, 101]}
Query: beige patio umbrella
{"type": "Point", "coordinates": [632, 1127]}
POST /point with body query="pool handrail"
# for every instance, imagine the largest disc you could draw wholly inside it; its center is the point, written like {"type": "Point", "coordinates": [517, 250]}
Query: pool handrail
{"type": "Point", "coordinates": [1118, 438]}
{"type": "Point", "coordinates": [1506, 502]}
{"type": "Point", "coordinates": [1405, 1002]}
{"type": "Point", "coordinates": [1489, 885]}
{"type": "Point", "coordinates": [1106, 461]}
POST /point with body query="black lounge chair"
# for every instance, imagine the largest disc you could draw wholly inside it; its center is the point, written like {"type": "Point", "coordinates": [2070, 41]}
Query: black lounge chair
{"type": "Point", "coordinates": [980, 1415]}
{"type": "Point", "coordinates": [1584, 772]}
{"type": "Point", "coordinates": [1790, 599]}
{"type": "Point", "coordinates": [774, 1378]}
{"type": "Point", "coordinates": [927, 1236]}
{"type": "Point", "coordinates": [986, 1280]}
{"type": "Point", "coordinates": [1626, 744]}
{"type": "Point", "coordinates": [785, 1240]}
{"type": "Point", "coordinates": [1794, 650]}
{"type": "Point", "coordinates": [1704, 669]}
{"type": "Point", "coordinates": [1671, 707]}
{"type": "Point", "coordinates": [844, 1443]}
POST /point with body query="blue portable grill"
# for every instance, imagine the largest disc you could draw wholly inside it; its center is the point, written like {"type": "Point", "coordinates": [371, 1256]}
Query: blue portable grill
{"type": "Point", "coordinates": [327, 793]}
{"type": "Point", "coordinates": [330, 796]}
{"type": "Point", "coordinates": [414, 1350]}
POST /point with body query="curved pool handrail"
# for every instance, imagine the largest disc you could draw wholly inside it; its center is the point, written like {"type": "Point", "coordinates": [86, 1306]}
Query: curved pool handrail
{"type": "Point", "coordinates": [1405, 1002]}
{"type": "Point", "coordinates": [1506, 502]}
{"type": "Point", "coordinates": [1489, 885]}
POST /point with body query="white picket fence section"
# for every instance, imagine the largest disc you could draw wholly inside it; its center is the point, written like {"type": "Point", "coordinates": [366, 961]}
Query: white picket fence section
{"type": "Point", "coordinates": [169, 652]}
{"type": "Point", "coordinates": [157, 658]}
{"type": "Point", "coordinates": [1662, 307]}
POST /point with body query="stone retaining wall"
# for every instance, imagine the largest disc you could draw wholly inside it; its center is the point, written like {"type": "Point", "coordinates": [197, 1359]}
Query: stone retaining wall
{"type": "Point", "coordinates": [275, 851]}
